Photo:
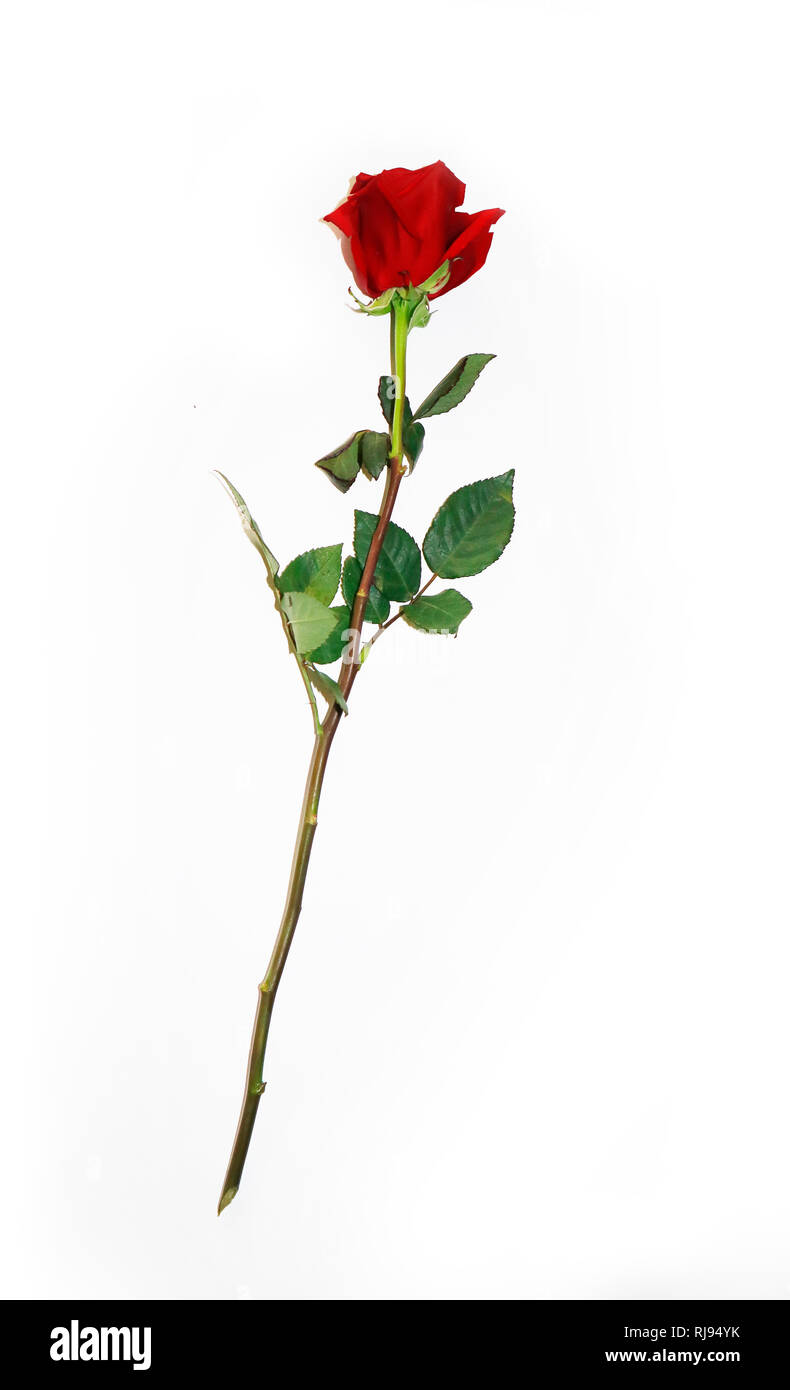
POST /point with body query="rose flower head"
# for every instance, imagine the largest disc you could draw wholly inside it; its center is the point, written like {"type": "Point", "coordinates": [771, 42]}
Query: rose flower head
{"type": "Point", "coordinates": [397, 228]}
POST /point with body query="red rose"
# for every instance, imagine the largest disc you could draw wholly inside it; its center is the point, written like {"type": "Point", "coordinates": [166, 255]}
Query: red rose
{"type": "Point", "coordinates": [398, 227]}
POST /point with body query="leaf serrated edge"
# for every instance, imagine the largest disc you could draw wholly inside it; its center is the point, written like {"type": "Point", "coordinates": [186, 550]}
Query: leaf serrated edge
{"type": "Point", "coordinates": [338, 546]}
{"type": "Point", "coordinates": [288, 597]}
{"type": "Point", "coordinates": [506, 496]}
{"type": "Point", "coordinates": [396, 529]}
{"type": "Point", "coordinates": [436, 631]}
{"type": "Point", "coordinates": [451, 380]}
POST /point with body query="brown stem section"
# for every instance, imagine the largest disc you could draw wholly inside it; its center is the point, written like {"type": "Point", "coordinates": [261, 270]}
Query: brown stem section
{"type": "Point", "coordinates": [383, 627]}
{"type": "Point", "coordinates": [254, 1084]}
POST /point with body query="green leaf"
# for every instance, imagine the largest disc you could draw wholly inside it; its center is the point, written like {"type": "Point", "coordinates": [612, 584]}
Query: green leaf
{"type": "Point", "coordinates": [399, 567]}
{"type": "Point", "coordinates": [310, 622]}
{"type": "Point", "coordinates": [374, 449]}
{"type": "Point", "coordinates": [455, 386]}
{"type": "Point", "coordinates": [387, 398]}
{"type": "Point", "coordinates": [367, 449]}
{"type": "Point", "coordinates": [387, 402]}
{"type": "Point", "coordinates": [442, 612]}
{"type": "Point", "coordinates": [328, 687]}
{"type": "Point", "coordinates": [250, 527]}
{"type": "Point", "coordinates": [413, 437]}
{"type": "Point", "coordinates": [307, 623]}
{"type": "Point", "coordinates": [332, 649]}
{"type": "Point", "coordinates": [413, 434]}
{"type": "Point", "coordinates": [343, 464]}
{"type": "Point", "coordinates": [472, 528]}
{"type": "Point", "coordinates": [272, 566]}
{"type": "Point", "coordinates": [378, 608]}
{"type": "Point", "coordinates": [352, 573]}
{"type": "Point", "coordinates": [316, 573]}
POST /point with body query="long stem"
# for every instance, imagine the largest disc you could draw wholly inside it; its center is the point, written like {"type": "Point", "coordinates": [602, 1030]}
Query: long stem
{"type": "Point", "coordinates": [325, 733]}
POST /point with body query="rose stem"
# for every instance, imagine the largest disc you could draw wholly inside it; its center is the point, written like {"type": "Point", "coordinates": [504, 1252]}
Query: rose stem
{"type": "Point", "coordinates": [325, 733]}
{"type": "Point", "coordinates": [383, 626]}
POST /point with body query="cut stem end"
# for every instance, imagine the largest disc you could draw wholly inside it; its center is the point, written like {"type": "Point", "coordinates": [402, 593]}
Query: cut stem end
{"type": "Point", "coordinates": [226, 1199]}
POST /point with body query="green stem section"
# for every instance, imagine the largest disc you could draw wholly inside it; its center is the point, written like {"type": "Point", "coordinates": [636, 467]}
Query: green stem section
{"type": "Point", "coordinates": [325, 733]}
{"type": "Point", "coordinates": [399, 331]}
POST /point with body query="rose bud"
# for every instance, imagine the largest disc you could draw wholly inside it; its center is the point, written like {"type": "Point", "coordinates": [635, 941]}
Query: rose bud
{"type": "Point", "coordinates": [398, 227]}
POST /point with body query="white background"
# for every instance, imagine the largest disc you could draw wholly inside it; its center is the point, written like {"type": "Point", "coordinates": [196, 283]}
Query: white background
{"type": "Point", "coordinates": [532, 1039]}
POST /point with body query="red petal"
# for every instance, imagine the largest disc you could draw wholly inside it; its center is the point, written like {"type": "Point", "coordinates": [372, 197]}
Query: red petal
{"type": "Point", "coordinates": [397, 227]}
{"type": "Point", "coordinates": [468, 252]}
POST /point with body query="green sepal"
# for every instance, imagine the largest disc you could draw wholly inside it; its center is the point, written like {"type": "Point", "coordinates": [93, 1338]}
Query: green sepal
{"type": "Point", "coordinates": [416, 297]}
{"type": "Point", "coordinates": [376, 306]}
{"type": "Point", "coordinates": [442, 612]}
{"type": "Point", "coordinates": [332, 648]}
{"type": "Point", "coordinates": [399, 566]}
{"type": "Point", "coordinates": [310, 622]}
{"type": "Point", "coordinates": [437, 281]}
{"type": "Point", "coordinates": [455, 386]}
{"type": "Point", "coordinates": [328, 687]}
{"type": "Point", "coordinates": [378, 609]}
{"type": "Point", "coordinates": [421, 314]}
{"type": "Point", "coordinates": [316, 572]}
{"type": "Point", "coordinates": [472, 528]}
